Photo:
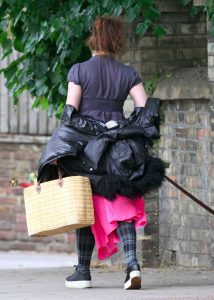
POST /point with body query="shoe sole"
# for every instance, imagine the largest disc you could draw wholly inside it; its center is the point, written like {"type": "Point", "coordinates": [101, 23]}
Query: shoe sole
{"type": "Point", "coordinates": [78, 284]}
{"type": "Point", "coordinates": [134, 283]}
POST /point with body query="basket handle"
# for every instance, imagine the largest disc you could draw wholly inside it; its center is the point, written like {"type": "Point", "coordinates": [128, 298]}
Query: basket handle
{"type": "Point", "coordinates": [60, 180]}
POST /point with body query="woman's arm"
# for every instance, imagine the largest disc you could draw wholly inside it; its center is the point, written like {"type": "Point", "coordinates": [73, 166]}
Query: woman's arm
{"type": "Point", "coordinates": [138, 94]}
{"type": "Point", "coordinates": [73, 98]}
{"type": "Point", "coordinates": [74, 94]}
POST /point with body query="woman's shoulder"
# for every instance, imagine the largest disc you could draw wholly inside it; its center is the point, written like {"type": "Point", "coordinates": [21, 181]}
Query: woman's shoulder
{"type": "Point", "coordinates": [129, 70]}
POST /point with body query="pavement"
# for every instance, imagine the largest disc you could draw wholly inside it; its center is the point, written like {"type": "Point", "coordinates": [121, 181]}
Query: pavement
{"type": "Point", "coordinates": [32, 276]}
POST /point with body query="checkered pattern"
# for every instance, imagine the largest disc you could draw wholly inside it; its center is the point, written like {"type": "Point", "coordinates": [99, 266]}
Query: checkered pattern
{"type": "Point", "coordinates": [127, 234]}
{"type": "Point", "coordinates": [85, 245]}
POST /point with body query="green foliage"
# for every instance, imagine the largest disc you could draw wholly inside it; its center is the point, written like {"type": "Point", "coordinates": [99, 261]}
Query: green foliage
{"type": "Point", "coordinates": [151, 84]}
{"type": "Point", "coordinates": [209, 9]}
{"type": "Point", "coordinates": [194, 10]}
{"type": "Point", "coordinates": [50, 37]}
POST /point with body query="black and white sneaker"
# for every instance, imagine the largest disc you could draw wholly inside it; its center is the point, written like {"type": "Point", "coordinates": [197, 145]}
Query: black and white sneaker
{"type": "Point", "coordinates": [133, 278]}
{"type": "Point", "coordinates": [78, 280]}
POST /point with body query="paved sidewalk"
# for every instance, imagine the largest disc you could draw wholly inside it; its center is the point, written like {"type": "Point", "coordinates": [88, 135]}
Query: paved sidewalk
{"type": "Point", "coordinates": [34, 276]}
{"type": "Point", "coordinates": [30, 260]}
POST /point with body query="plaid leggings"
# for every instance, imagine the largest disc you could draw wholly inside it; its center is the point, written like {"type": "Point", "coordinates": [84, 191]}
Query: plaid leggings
{"type": "Point", "coordinates": [85, 245]}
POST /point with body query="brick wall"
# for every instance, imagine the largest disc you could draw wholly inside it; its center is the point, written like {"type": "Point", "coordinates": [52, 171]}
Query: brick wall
{"type": "Point", "coordinates": [184, 45]}
{"type": "Point", "coordinates": [211, 90]}
{"type": "Point", "coordinates": [18, 160]}
{"type": "Point", "coordinates": [186, 229]}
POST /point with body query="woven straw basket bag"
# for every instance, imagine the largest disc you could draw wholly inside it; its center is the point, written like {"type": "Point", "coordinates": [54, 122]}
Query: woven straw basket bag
{"type": "Point", "coordinates": [58, 206]}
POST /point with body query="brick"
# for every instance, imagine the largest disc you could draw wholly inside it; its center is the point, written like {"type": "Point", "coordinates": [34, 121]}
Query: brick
{"type": "Point", "coordinates": [7, 200]}
{"type": "Point", "coordinates": [5, 210]}
{"type": "Point", "coordinates": [164, 230]}
{"type": "Point", "coordinates": [210, 61]}
{"type": "Point", "coordinates": [172, 143]}
{"type": "Point", "coordinates": [152, 218]}
{"type": "Point", "coordinates": [192, 146]}
{"type": "Point", "coordinates": [190, 118]}
{"type": "Point", "coordinates": [194, 182]}
{"type": "Point", "coordinates": [151, 206]}
{"type": "Point", "coordinates": [202, 133]}
{"type": "Point", "coordinates": [176, 220]}
{"type": "Point", "coordinates": [181, 145]}
{"type": "Point", "coordinates": [149, 68]}
{"type": "Point", "coordinates": [137, 67]}
{"type": "Point", "coordinates": [192, 133]}
{"type": "Point", "coordinates": [146, 42]}
{"type": "Point", "coordinates": [8, 163]}
{"type": "Point", "coordinates": [182, 105]}
{"type": "Point", "coordinates": [184, 233]}
{"type": "Point", "coordinates": [210, 48]}
{"type": "Point", "coordinates": [177, 18]}
{"type": "Point", "coordinates": [169, 6]}
{"type": "Point", "coordinates": [180, 117]}
{"type": "Point", "coordinates": [24, 246]}
{"type": "Point", "coordinates": [7, 235]}
{"type": "Point", "coordinates": [173, 169]}
{"type": "Point", "coordinates": [173, 194]}
{"type": "Point", "coordinates": [172, 42]}
{"type": "Point", "coordinates": [181, 132]}
{"type": "Point", "coordinates": [185, 28]}
{"type": "Point", "coordinates": [151, 230]}
{"type": "Point", "coordinates": [6, 155]}
{"type": "Point", "coordinates": [170, 29]}
{"type": "Point", "coordinates": [127, 41]}
{"type": "Point", "coordinates": [211, 73]}
{"type": "Point", "coordinates": [192, 170]}
{"type": "Point", "coordinates": [21, 218]}
{"type": "Point", "coordinates": [201, 28]}
{"type": "Point", "coordinates": [22, 227]}
{"type": "Point", "coordinates": [203, 119]}
{"type": "Point", "coordinates": [190, 53]}
{"type": "Point", "coordinates": [156, 55]}
{"type": "Point", "coordinates": [170, 117]}
{"type": "Point", "coordinates": [128, 56]}
{"type": "Point", "coordinates": [194, 247]}
{"type": "Point", "coordinates": [200, 41]}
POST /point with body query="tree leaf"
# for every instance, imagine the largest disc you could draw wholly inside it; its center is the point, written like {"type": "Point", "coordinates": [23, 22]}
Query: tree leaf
{"type": "Point", "coordinates": [52, 38]}
{"type": "Point", "coordinates": [159, 31]}
{"type": "Point", "coordinates": [41, 67]}
{"type": "Point", "coordinates": [185, 2]}
{"type": "Point", "coordinates": [143, 27]}
{"type": "Point", "coordinates": [151, 14]}
{"type": "Point", "coordinates": [131, 15]}
{"type": "Point", "coordinates": [18, 45]}
{"type": "Point", "coordinates": [63, 89]}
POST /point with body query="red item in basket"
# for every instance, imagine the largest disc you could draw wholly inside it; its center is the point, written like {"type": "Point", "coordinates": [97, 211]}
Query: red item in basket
{"type": "Point", "coordinates": [25, 184]}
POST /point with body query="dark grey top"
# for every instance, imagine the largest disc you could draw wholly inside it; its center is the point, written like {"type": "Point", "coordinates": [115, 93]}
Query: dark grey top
{"type": "Point", "coordinates": [105, 85]}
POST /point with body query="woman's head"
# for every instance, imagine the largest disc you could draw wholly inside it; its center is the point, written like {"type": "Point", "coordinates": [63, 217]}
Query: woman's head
{"type": "Point", "coordinates": [107, 35]}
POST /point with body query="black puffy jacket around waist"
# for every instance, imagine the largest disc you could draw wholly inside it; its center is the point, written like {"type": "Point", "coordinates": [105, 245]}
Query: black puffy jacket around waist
{"type": "Point", "coordinates": [113, 155]}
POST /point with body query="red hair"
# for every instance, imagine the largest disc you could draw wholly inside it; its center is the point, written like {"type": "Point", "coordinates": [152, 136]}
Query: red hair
{"type": "Point", "coordinates": [107, 35]}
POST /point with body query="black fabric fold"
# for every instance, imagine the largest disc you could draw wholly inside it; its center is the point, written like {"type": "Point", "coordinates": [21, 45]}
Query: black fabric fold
{"type": "Point", "coordinates": [116, 160]}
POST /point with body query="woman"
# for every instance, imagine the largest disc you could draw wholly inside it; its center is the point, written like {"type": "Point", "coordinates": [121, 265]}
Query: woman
{"type": "Point", "coordinates": [95, 140]}
{"type": "Point", "coordinates": [97, 88]}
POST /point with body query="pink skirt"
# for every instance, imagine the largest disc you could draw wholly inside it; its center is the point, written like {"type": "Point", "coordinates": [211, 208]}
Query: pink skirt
{"type": "Point", "coordinates": [107, 214]}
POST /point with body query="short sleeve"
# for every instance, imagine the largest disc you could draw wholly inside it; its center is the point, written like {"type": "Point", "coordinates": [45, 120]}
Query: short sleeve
{"type": "Point", "coordinates": [73, 74]}
{"type": "Point", "coordinates": [134, 78]}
